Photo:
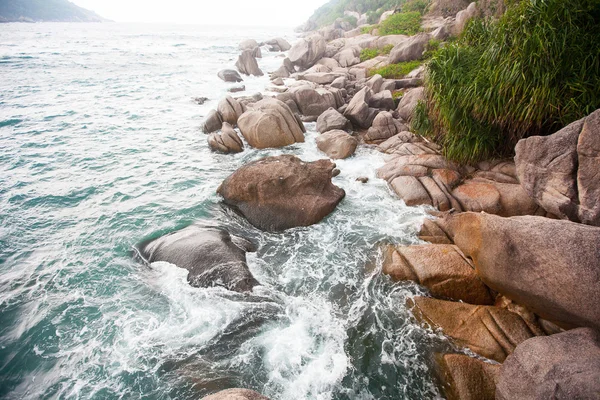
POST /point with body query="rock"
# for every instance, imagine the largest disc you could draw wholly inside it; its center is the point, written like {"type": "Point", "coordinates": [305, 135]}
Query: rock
{"type": "Point", "coordinates": [270, 123]}
{"type": "Point", "coordinates": [278, 193]}
{"type": "Point", "coordinates": [411, 49]}
{"type": "Point", "coordinates": [362, 179]}
{"type": "Point", "coordinates": [322, 78]}
{"type": "Point", "coordinates": [478, 197]}
{"type": "Point", "coordinates": [384, 127]}
{"type": "Point", "coordinates": [235, 89]}
{"type": "Point", "coordinates": [278, 81]}
{"type": "Point", "coordinates": [314, 102]}
{"type": "Point", "coordinates": [229, 75]}
{"type": "Point", "coordinates": [411, 190]}
{"type": "Point", "coordinates": [307, 51]}
{"type": "Point", "coordinates": [280, 72]}
{"type": "Point", "coordinates": [337, 144]}
{"type": "Point", "coordinates": [386, 15]}
{"type": "Point", "coordinates": [339, 83]}
{"type": "Point", "coordinates": [408, 83]}
{"type": "Point", "coordinates": [358, 111]}
{"type": "Point", "coordinates": [329, 63]}
{"type": "Point", "coordinates": [467, 378]}
{"type": "Point", "coordinates": [249, 44]}
{"type": "Point", "coordinates": [332, 120]}
{"type": "Point", "coordinates": [487, 330]}
{"type": "Point", "coordinates": [200, 100]}
{"type": "Point", "coordinates": [462, 17]}
{"type": "Point", "coordinates": [227, 141]}
{"type": "Point", "coordinates": [348, 57]}
{"type": "Point", "coordinates": [247, 64]}
{"type": "Point", "coordinates": [409, 101]}
{"type": "Point", "coordinates": [230, 110]}
{"type": "Point", "coordinates": [560, 171]}
{"type": "Point", "coordinates": [374, 83]}
{"type": "Point", "coordinates": [432, 233]}
{"type": "Point", "coordinates": [281, 43]}
{"type": "Point", "coordinates": [236, 394]}
{"type": "Point", "coordinates": [388, 84]}
{"type": "Point", "coordinates": [382, 100]}
{"type": "Point", "coordinates": [332, 33]}
{"type": "Point", "coordinates": [212, 122]}
{"type": "Point", "coordinates": [564, 366]}
{"type": "Point", "coordinates": [212, 256]}
{"type": "Point", "coordinates": [550, 266]}
{"type": "Point", "coordinates": [443, 32]}
{"type": "Point", "coordinates": [441, 268]}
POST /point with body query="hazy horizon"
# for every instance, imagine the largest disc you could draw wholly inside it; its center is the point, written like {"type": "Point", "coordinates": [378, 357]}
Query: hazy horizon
{"type": "Point", "coordinates": [232, 12]}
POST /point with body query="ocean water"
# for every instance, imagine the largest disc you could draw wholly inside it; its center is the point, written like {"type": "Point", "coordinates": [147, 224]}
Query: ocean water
{"type": "Point", "coordinates": [100, 148]}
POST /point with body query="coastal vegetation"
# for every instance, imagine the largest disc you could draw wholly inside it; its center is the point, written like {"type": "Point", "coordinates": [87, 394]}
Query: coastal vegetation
{"type": "Point", "coordinates": [45, 10]}
{"type": "Point", "coordinates": [370, 53]}
{"type": "Point", "coordinates": [531, 72]}
{"type": "Point", "coordinates": [404, 23]}
{"type": "Point", "coordinates": [396, 71]}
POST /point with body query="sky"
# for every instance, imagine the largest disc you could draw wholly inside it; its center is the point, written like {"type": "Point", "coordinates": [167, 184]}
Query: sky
{"type": "Point", "coordinates": [210, 12]}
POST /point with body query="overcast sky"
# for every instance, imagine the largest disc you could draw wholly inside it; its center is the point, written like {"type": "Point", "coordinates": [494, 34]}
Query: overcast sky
{"type": "Point", "coordinates": [213, 12]}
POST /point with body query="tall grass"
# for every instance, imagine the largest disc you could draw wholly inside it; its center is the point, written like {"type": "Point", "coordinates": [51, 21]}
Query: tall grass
{"type": "Point", "coordinates": [406, 23]}
{"type": "Point", "coordinates": [532, 72]}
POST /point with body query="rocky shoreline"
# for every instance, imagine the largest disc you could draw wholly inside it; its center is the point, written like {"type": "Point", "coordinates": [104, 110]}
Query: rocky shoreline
{"type": "Point", "coordinates": [511, 257]}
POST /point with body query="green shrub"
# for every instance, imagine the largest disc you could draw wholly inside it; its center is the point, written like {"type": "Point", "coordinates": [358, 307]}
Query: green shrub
{"type": "Point", "coordinates": [351, 20]}
{"type": "Point", "coordinates": [373, 16]}
{"type": "Point", "coordinates": [532, 72]}
{"type": "Point", "coordinates": [367, 54]}
{"type": "Point", "coordinates": [432, 47]}
{"type": "Point", "coordinates": [408, 23]}
{"type": "Point", "coordinates": [395, 71]}
{"type": "Point", "coordinates": [416, 5]}
{"type": "Point", "coordinates": [368, 29]}
{"type": "Point", "coordinates": [397, 94]}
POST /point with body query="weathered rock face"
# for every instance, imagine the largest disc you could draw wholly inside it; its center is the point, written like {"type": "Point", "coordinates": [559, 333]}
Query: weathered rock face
{"type": "Point", "coordinates": [270, 123]}
{"type": "Point", "coordinates": [331, 120]}
{"type": "Point", "coordinates": [247, 64]}
{"type": "Point", "coordinates": [307, 51]}
{"type": "Point", "coordinates": [409, 101]}
{"type": "Point", "coordinates": [337, 144]}
{"type": "Point", "coordinates": [462, 17]}
{"type": "Point", "coordinates": [212, 256]}
{"type": "Point", "coordinates": [226, 141]}
{"type": "Point", "coordinates": [322, 78]}
{"type": "Point", "coordinates": [411, 49]}
{"type": "Point", "coordinates": [348, 57]}
{"type": "Point", "coordinates": [279, 44]}
{"type": "Point", "coordinates": [560, 171]}
{"type": "Point", "coordinates": [550, 266]}
{"type": "Point", "coordinates": [230, 110]}
{"type": "Point", "coordinates": [278, 193]}
{"type": "Point", "coordinates": [563, 366]}
{"type": "Point", "coordinates": [229, 75]}
{"type": "Point", "coordinates": [236, 394]}
{"type": "Point", "coordinates": [441, 268]}
{"type": "Point", "coordinates": [487, 330]}
{"type": "Point", "coordinates": [382, 100]}
{"type": "Point", "coordinates": [212, 122]}
{"type": "Point", "coordinates": [358, 111]}
{"type": "Point", "coordinates": [467, 378]}
{"type": "Point", "coordinates": [384, 127]}
{"type": "Point", "coordinates": [314, 102]}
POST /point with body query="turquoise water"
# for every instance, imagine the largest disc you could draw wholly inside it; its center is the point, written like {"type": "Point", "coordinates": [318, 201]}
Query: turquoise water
{"type": "Point", "coordinates": [100, 149]}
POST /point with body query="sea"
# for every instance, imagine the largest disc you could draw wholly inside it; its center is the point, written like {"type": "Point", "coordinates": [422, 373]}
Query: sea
{"type": "Point", "coordinates": [101, 148]}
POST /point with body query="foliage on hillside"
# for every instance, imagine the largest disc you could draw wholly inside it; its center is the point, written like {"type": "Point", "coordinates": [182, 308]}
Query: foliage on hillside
{"type": "Point", "coordinates": [532, 72]}
{"type": "Point", "coordinates": [45, 10]}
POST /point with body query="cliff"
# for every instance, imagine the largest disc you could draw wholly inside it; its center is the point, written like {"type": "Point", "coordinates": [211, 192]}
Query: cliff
{"type": "Point", "coordinates": [45, 10]}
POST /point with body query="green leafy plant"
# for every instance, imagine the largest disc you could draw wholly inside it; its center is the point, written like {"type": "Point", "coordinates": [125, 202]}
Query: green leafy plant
{"type": "Point", "coordinates": [369, 53]}
{"type": "Point", "coordinates": [408, 23]}
{"type": "Point", "coordinates": [395, 71]}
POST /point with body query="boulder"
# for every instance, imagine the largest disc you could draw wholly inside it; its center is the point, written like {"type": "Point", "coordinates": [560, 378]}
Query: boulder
{"type": "Point", "coordinates": [280, 72]}
{"type": "Point", "coordinates": [270, 123]}
{"type": "Point", "coordinates": [236, 394]}
{"type": "Point", "coordinates": [374, 83]}
{"type": "Point", "coordinates": [462, 17]}
{"type": "Point", "coordinates": [331, 120]}
{"type": "Point", "coordinates": [409, 102]}
{"type": "Point", "coordinates": [212, 122]}
{"type": "Point", "coordinates": [441, 268]}
{"type": "Point", "coordinates": [384, 127]}
{"type": "Point", "coordinates": [467, 378]}
{"type": "Point", "coordinates": [382, 100]}
{"type": "Point", "coordinates": [550, 266]}
{"type": "Point", "coordinates": [560, 171]}
{"type": "Point", "coordinates": [490, 331]}
{"type": "Point", "coordinates": [314, 102]}
{"type": "Point", "coordinates": [226, 141]}
{"type": "Point", "coordinates": [230, 110]}
{"type": "Point", "coordinates": [281, 43]}
{"type": "Point", "coordinates": [278, 193]}
{"type": "Point", "coordinates": [322, 78]}
{"type": "Point", "coordinates": [329, 63]}
{"type": "Point", "coordinates": [212, 256]}
{"type": "Point", "coordinates": [564, 366]}
{"type": "Point", "coordinates": [358, 111]}
{"type": "Point", "coordinates": [337, 144]}
{"type": "Point", "coordinates": [411, 49]}
{"type": "Point", "coordinates": [407, 144]}
{"type": "Point", "coordinates": [229, 75]}
{"type": "Point", "coordinates": [252, 46]}
{"type": "Point", "coordinates": [348, 57]}
{"type": "Point", "coordinates": [235, 89]}
{"type": "Point", "coordinates": [339, 83]}
{"type": "Point", "coordinates": [386, 15]}
{"type": "Point", "coordinates": [247, 64]}
{"type": "Point", "coordinates": [307, 51]}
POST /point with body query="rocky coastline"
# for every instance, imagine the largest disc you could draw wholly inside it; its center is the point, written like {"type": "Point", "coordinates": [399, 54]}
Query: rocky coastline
{"type": "Point", "coordinates": [510, 255]}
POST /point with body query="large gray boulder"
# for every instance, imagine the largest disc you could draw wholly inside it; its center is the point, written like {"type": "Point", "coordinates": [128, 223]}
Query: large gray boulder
{"type": "Point", "coordinates": [384, 127]}
{"type": "Point", "coordinates": [283, 192]}
{"type": "Point", "coordinates": [236, 394]}
{"type": "Point", "coordinates": [279, 44]}
{"type": "Point", "coordinates": [230, 110]}
{"type": "Point", "coordinates": [212, 122]}
{"type": "Point", "coordinates": [331, 120]}
{"type": "Point", "coordinates": [358, 110]}
{"type": "Point", "coordinates": [229, 75]}
{"type": "Point", "coordinates": [409, 102]}
{"type": "Point", "coordinates": [314, 102]}
{"type": "Point", "coordinates": [560, 171]}
{"type": "Point", "coordinates": [337, 144]}
{"type": "Point", "coordinates": [565, 366]}
{"type": "Point", "coordinates": [383, 100]}
{"type": "Point", "coordinates": [411, 49]}
{"type": "Point", "coordinates": [462, 17]}
{"type": "Point", "coordinates": [212, 256]}
{"type": "Point", "coordinates": [307, 51]}
{"type": "Point", "coordinates": [550, 266]}
{"type": "Point", "coordinates": [348, 57]}
{"type": "Point", "coordinates": [252, 46]}
{"type": "Point", "coordinates": [270, 123]}
{"type": "Point", "coordinates": [247, 64]}
{"type": "Point", "coordinates": [226, 141]}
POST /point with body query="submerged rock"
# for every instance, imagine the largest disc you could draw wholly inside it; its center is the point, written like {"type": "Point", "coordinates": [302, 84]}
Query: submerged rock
{"type": "Point", "coordinates": [337, 144]}
{"type": "Point", "coordinates": [229, 75]}
{"type": "Point", "coordinates": [236, 394]}
{"type": "Point", "coordinates": [226, 141]}
{"type": "Point", "coordinates": [212, 256]}
{"type": "Point", "coordinates": [278, 193]}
